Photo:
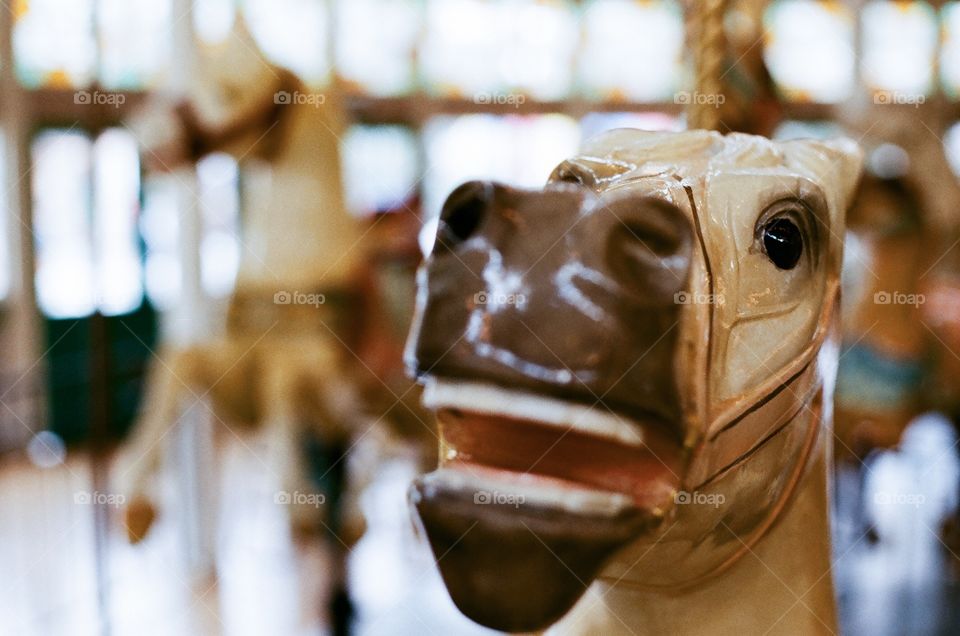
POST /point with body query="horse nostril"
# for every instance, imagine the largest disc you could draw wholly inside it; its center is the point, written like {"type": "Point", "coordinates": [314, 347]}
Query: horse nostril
{"type": "Point", "coordinates": [463, 212]}
{"type": "Point", "coordinates": [649, 248]}
{"type": "Point", "coordinates": [647, 241]}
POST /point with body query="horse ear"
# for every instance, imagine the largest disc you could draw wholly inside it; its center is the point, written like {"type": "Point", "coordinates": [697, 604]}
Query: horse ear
{"type": "Point", "coordinates": [835, 163]}
{"type": "Point", "coordinates": [242, 33]}
{"type": "Point", "coordinates": [847, 157]}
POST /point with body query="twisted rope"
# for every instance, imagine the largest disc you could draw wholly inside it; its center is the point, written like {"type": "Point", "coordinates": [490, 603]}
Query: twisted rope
{"type": "Point", "coordinates": [709, 48]}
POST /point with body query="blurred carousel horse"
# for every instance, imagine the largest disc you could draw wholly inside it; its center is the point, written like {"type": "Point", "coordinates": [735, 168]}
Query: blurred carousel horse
{"type": "Point", "coordinates": [885, 344]}
{"type": "Point", "coordinates": [901, 324]}
{"type": "Point", "coordinates": [287, 361]}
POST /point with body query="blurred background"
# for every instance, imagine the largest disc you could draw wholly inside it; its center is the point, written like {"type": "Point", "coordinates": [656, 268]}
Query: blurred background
{"type": "Point", "coordinates": [116, 250]}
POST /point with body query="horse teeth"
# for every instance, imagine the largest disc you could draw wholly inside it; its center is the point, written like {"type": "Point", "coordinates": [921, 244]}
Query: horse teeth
{"type": "Point", "coordinates": [529, 490]}
{"type": "Point", "coordinates": [487, 399]}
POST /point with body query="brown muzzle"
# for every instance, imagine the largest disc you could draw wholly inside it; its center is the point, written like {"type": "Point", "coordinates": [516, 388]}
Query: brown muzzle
{"type": "Point", "coordinates": [557, 292]}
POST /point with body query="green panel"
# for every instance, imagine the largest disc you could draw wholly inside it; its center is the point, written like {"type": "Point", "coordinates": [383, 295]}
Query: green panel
{"type": "Point", "coordinates": [68, 377]}
{"type": "Point", "coordinates": [131, 337]}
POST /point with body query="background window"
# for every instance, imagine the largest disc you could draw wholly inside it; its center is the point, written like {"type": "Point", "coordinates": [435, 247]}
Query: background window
{"type": "Point", "coordinates": [381, 167]}
{"type": "Point", "coordinates": [951, 143]}
{"type": "Point", "coordinates": [293, 34]}
{"type": "Point", "coordinates": [134, 41]}
{"type": "Point", "coordinates": [218, 182]}
{"type": "Point", "coordinates": [809, 50]}
{"type": "Point", "coordinates": [65, 279]}
{"type": "Point", "coordinates": [899, 45]}
{"type": "Point", "coordinates": [631, 50]}
{"type": "Point", "coordinates": [539, 42]}
{"type": "Point", "coordinates": [54, 42]}
{"type": "Point", "coordinates": [160, 227]}
{"type": "Point", "coordinates": [377, 44]}
{"type": "Point", "coordinates": [520, 151]}
{"type": "Point", "coordinates": [213, 19]}
{"type": "Point", "coordinates": [461, 39]}
{"type": "Point", "coordinates": [117, 262]}
{"type": "Point", "coordinates": [86, 202]}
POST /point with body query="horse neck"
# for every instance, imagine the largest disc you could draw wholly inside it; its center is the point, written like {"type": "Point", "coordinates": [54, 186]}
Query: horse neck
{"type": "Point", "coordinates": [895, 327]}
{"type": "Point", "coordinates": [896, 251]}
{"type": "Point", "coordinates": [296, 219]}
{"type": "Point", "coordinates": [783, 585]}
{"type": "Point", "coordinates": [309, 156]}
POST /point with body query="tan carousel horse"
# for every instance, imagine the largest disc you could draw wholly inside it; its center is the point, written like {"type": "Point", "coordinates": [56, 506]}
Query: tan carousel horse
{"type": "Point", "coordinates": [635, 421]}
{"type": "Point", "coordinates": [901, 318]}
{"type": "Point", "coordinates": [287, 361]}
{"type": "Point", "coordinates": [885, 344]}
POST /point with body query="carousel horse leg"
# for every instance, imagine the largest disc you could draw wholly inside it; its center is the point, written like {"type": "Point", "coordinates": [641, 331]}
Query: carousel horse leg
{"type": "Point", "coordinates": [307, 408]}
{"type": "Point", "coordinates": [863, 521]}
{"type": "Point", "coordinates": [329, 463]}
{"type": "Point", "coordinates": [172, 380]}
{"type": "Point", "coordinates": [336, 470]}
{"type": "Point", "coordinates": [285, 418]}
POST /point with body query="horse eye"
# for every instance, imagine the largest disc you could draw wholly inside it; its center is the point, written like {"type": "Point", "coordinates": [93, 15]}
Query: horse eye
{"type": "Point", "coordinates": [783, 243]}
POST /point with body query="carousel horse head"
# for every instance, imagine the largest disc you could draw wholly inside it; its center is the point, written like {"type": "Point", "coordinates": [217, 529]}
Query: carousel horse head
{"type": "Point", "coordinates": [298, 230]}
{"type": "Point", "coordinates": [627, 365]}
{"type": "Point", "coordinates": [236, 102]}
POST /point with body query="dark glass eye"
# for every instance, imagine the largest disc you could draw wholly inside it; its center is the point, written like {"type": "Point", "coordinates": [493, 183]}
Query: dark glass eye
{"type": "Point", "coordinates": [783, 243]}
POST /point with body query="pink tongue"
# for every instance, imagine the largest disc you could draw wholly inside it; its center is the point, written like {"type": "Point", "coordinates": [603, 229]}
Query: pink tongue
{"type": "Point", "coordinates": [648, 473]}
{"type": "Point", "coordinates": [517, 568]}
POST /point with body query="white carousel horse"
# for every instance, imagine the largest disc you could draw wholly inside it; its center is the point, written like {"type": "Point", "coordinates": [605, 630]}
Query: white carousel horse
{"type": "Point", "coordinates": [286, 360]}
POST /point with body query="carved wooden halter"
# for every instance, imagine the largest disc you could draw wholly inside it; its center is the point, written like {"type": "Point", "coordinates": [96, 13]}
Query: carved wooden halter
{"type": "Point", "coordinates": [733, 433]}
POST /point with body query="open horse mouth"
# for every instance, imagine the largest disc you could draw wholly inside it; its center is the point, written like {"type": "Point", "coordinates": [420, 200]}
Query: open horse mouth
{"type": "Point", "coordinates": [534, 495]}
